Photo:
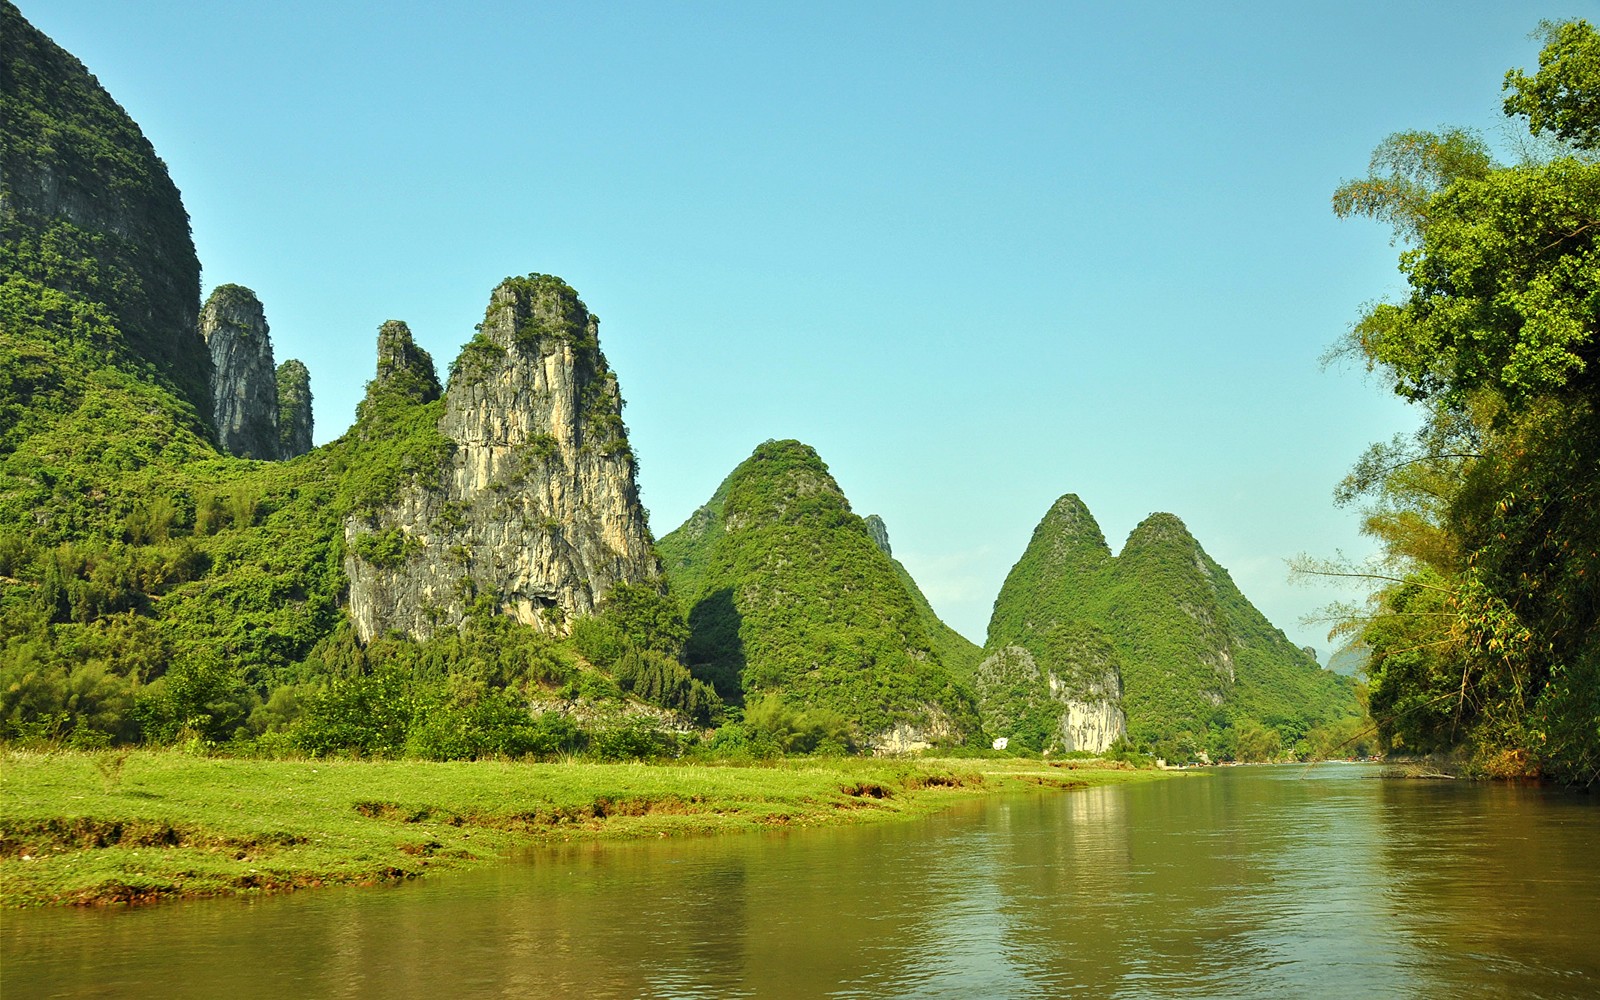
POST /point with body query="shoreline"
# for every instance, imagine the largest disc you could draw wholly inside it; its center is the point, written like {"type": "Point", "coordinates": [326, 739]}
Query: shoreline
{"type": "Point", "coordinates": [141, 826]}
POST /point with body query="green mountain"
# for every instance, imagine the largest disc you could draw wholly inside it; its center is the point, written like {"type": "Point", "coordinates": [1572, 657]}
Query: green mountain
{"type": "Point", "coordinates": [1350, 659]}
{"type": "Point", "coordinates": [788, 595]}
{"type": "Point", "coordinates": [1198, 663]}
{"type": "Point", "coordinates": [1049, 679]}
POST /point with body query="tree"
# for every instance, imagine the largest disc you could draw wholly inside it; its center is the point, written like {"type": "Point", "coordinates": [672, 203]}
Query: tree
{"type": "Point", "coordinates": [1488, 635]}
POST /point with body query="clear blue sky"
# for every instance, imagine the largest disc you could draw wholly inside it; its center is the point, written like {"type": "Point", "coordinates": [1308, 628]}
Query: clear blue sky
{"type": "Point", "coordinates": [978, 255]}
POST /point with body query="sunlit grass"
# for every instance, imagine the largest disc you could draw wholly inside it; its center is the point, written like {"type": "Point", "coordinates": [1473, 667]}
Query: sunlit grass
{"type": "Point", "coordinates": [119, 826]}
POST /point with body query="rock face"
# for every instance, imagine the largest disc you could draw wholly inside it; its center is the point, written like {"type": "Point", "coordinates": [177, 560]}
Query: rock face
{"type": "Point", "coordinates": [879, 532]}
{"type": "Point", "coordinates": [790, 595]}
{"type": "Point", "coordinates": [1074, 705]}
{"type": "Point", "coordinates": [404, 369]}
{"type": "Point", "coordinates": [79, 180]}
{"type": "Point", "coordinates": [536, 509]}
{"type": "Point", "coordinates": [294, 409]}
{"type": "Point", "coordinates": [401, 360]}
{"type": "Point", "coordinates": [244, 384]}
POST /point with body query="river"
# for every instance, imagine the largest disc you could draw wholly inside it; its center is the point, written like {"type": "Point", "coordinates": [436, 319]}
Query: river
{"type": "Point", "coordinates": [1247, 882]}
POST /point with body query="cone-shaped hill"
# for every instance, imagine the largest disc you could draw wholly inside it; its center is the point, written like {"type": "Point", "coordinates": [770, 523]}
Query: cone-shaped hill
{"type": "Point", "coordinates": [788, 594]}
{"type": "Point", "coordinates": [1197, 660]}
{"type": "Point", "coordinates": [1050, 680]}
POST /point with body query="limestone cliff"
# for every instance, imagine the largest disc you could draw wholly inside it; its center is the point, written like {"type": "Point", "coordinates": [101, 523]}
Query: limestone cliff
{"type": "Point", "coordinates": [1072, 703]}
{"type": "Point", "coordinates": [879, 532]}
{"type": "Point", "coordinates": [535, 508]}
{"type": "Point", "coordinates": [294, 409]}
{"type": "Point", "coordinates": [244, 383]}
{"type": "Point", "coordinates": [405, 371]}
{"type": "Point", "coordinates": [402, 363]}
{"type": "Point", "coordinates": [92, 228]}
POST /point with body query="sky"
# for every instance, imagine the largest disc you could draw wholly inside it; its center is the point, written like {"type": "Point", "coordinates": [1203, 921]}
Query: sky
{"type": "Point", "coordinates": [977, 255]}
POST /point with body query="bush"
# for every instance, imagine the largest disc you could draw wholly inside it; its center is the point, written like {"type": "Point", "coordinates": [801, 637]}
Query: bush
{"type": "Point", "coordinates": [735, 741]}
{"type": "Point", "coordinates": [636, 739]}
{"type": "Point", "coordinates": [368, 714]}
{"type": "Point", "coordinates": [797, 731]}
{"type": "Point", "coordinates": [200, 695]}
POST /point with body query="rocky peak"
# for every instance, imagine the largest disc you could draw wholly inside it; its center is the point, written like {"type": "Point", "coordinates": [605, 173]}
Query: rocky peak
{"type": "Point", "coordinates": [879, 532]}
{"type": "Point", "coordinates": [783, 482]}
{"type": "Point", "coordinates": [1072, 531]}
{"type": "Point", "coordinates": [1159, 530]}
{"type": "Point", "coordinates": [244, 383]}
{"type": "Point", "coordinates": [1162, 543]}
{"type": "Point", "coordinates": [404, 366]}
{"type": "Point", "coordinates": [535, 508]}
{"type": "Point", "coordinates": [294, 409]}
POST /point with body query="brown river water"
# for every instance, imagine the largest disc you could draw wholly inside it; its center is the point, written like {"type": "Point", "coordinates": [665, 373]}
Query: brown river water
{"type": "Point", "coordinates": [1246, 882]}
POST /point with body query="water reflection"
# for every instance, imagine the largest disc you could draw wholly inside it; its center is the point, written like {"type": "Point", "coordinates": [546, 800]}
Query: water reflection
{"type": "Point", "coordinates": [1261, 882]}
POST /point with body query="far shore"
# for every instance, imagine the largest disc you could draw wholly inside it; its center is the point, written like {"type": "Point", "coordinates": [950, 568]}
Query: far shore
{"type": "Point", "coordinates": [142, 826]}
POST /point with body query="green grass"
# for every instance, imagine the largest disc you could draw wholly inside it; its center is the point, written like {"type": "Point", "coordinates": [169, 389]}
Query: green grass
{"type": "Point", "coordinates": [139, 826]}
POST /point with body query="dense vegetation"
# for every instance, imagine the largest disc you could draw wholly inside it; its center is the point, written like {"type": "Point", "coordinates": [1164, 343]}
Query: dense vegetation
{"type": "Point", "coordinates": [154, 590]}
{"type": "Point", "coordinates": [792, 603]}
{"type": "Point", "coordinates": [1202, 669]}
{"type": "Point", "coordinates": [1485, 634]}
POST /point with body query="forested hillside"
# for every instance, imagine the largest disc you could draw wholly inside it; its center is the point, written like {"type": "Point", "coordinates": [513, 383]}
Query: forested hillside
{"type": "Point", "coordinates": [154, 588]}
{"type": "Point", "coordinates": [1201, 669]}
{"type": "Point", "coordinates": [788, 596]}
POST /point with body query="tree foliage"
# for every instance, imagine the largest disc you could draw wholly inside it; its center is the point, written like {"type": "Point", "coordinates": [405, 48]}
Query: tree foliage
{"type": "Point", "coordinates": [1488, 636]}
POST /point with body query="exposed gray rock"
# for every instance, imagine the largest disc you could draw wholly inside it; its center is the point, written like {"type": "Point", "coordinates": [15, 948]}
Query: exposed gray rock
{"type": "Point", "coordinates": [244, 383]}
{"type": "Point", "coordinates": [912, 737]}
{"type": "Point", "coordinates": [536, 508]}
{"type": "Point", "coordinates": [294, 409]}
{"type": "Point", "coordinates": [879, 532]}
{"type": "Point", "coordinates": [1069, 696]}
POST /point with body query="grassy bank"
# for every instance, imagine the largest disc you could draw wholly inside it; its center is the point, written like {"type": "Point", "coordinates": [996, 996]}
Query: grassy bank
{"type": "Point", "coordinates": [117, 827]}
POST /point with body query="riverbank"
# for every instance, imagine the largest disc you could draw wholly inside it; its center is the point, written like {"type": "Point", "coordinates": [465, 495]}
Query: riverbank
{"type": "Point", "coordinates": [141, 826]}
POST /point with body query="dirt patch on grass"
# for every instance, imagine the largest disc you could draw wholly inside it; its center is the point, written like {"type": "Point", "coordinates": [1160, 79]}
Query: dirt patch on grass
{"type": "Point", "coordinates": [1051, 781]}
{"type": "Point", "coordinates": [916, 782]}
{"type": "Point", "coordinates": [53, 836]}
{"type": "Point", "coordinates": [539, 819]}
{"type": "Point", "coordinates": [866, 790]}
